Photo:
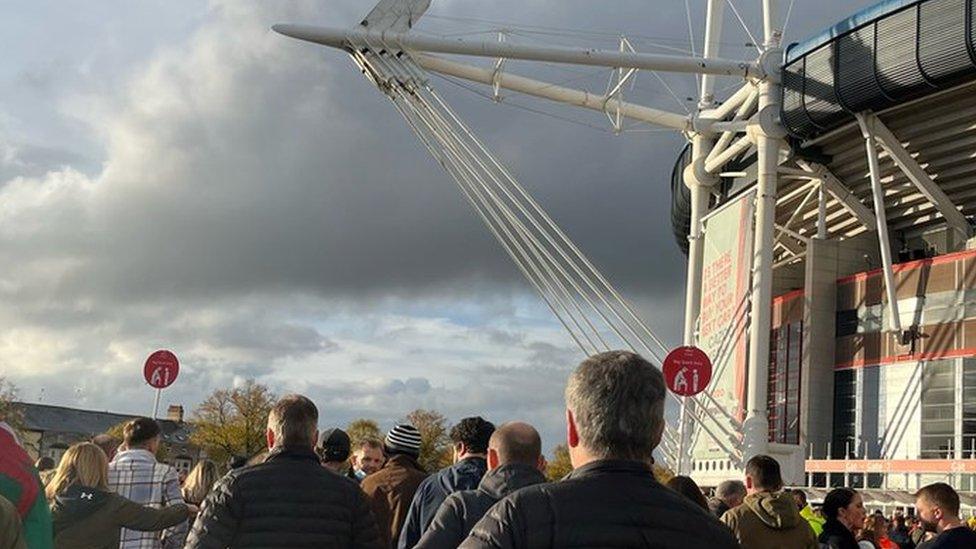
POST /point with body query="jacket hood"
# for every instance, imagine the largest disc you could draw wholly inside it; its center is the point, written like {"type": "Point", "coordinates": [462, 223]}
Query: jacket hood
{"type": "Point", "coordinates": [777, 511]}
{"type": "Point", "coordinates": [463, 475]}
{"type": "Point", "coordinates": [78, 502]}
{"type": "Point", "coordinates": [506, 479]}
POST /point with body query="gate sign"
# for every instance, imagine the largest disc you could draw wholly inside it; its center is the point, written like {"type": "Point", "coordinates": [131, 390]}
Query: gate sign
{"type": "Point", "coordinates": [687, 371]}
{"type": "Point", "coordinates": [161, 369]}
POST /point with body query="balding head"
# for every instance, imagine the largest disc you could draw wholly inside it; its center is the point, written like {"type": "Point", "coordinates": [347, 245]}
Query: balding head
{"type": "Point", "coordinates": [514, 442]}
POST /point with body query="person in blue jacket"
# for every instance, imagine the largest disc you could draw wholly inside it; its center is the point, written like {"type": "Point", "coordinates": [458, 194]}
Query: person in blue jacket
{"type": "Point", "coordinates": [470, 438]}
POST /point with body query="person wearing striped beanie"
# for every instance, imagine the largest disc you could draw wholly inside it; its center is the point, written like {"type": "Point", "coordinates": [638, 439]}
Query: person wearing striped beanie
{"type": "Point", "coordinates": [391, 489]}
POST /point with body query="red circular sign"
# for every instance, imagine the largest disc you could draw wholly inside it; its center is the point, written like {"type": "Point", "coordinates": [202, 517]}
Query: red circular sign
{"type": "Point", "coordinates": [687, 371]}
{"type": "Point", "coordinates": [161, 369]}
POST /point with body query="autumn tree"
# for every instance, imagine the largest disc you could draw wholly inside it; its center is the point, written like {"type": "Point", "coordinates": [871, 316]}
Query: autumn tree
{"type": "Point", "coordinates": [233, 421]}
{"type": "Point", "coordinates": [363, 429]}
{"type": "Point", "coordinates": [435, 442]}
{"type": "Point", "coordinates": [10, 413]}
{"type": "Point", "coordinates": [560, 465]}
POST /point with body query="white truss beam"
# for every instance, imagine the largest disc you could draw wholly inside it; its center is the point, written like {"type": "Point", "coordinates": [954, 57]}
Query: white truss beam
{"type": "Point", "coordinates": [841, 193]}
{"type": "Point", "coordinates": [344, 38]}
{"type": "Point", "coordinates": [917, 175]}
{"type": "Point", "coordinates": [552, 92]}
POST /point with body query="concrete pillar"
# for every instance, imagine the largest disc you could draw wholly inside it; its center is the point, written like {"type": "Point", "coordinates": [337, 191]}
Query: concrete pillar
{"type": "Point", "coordinates": [819, 340]}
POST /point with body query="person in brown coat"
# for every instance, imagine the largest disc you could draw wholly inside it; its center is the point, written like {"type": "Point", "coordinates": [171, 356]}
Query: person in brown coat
{"type": "Point", "coordinates": [391, 489]}
{"type": "Point", "coordinates": [87, 515]}
{"type": "Point", "coordinates": [768, 517]}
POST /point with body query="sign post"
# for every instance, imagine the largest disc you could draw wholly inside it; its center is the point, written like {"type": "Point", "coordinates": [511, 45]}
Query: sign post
{"type": "Point", "coordinates": [160, 372]}
{"type": "Point", "coordinates": [687, 371]}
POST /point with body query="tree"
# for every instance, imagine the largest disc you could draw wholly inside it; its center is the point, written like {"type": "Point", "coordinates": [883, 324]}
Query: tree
{"type": "Point", "coordinates": [560, 465]}
{"type": "Point", "coordinates": [233, 422]}
{"type": "Point", "coordinates": [662, 473]}
{"type": "Point", "coordinates": [363, 429]}
{"type": "Point", "coordinates": [10, 412]}
{"type": "Point", "coordinates": [435, 443]}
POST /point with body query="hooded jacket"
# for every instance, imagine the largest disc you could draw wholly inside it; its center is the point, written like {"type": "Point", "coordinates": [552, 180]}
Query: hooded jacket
{"type": "Point", "coordinates": [390, 491]}
{"type": "Point", "coordinates": [462, 510]}
{"type": "Point", "coordinates": [767, 520]}
{"type": "Point", "coordinates": [86, 518]}
{"type": "Point", "coordinates": [463, 475]}
{"type": "Point", "coordinates": [605, 503]}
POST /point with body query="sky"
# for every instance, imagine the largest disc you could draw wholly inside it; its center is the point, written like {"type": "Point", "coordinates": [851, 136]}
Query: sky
{"type": "Point", "coordinates": [175, 175]}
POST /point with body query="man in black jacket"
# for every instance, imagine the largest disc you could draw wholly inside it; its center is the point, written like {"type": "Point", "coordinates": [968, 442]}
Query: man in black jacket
{"type": "Point", "coordinates": [470, 437]}
{"type": "Point", "coordinates": [289, 500]}
{"type": "Point", "coordinates": [615, 419]}
{"type": "Point", "coordinates": [514, 461]}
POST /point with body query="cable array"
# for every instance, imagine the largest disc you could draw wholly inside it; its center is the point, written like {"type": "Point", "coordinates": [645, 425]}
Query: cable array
{"type": "Point", "coordinates": [591, 310]}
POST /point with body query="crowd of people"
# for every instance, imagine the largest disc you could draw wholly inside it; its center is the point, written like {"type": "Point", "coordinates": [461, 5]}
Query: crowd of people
{"type": "Point", "coordinates": [312, 490]}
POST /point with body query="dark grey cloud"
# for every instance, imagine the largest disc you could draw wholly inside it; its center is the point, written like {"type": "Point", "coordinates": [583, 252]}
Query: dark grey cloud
{"type": "Point", "coordinates": [250, 201]}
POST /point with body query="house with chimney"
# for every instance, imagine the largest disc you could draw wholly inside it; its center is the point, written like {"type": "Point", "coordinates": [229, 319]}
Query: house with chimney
{"type": "Point", "coordinates": [49, 431]}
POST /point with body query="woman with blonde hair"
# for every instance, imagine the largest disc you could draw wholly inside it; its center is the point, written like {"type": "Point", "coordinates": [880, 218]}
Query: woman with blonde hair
{"type": "Point", "coordinates": [87, 515]}
{"type": "Point", "coordinates": [199, 482]}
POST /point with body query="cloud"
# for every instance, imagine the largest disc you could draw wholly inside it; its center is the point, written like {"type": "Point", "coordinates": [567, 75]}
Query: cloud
{"type": "Point", "coordinates": [184, 178]}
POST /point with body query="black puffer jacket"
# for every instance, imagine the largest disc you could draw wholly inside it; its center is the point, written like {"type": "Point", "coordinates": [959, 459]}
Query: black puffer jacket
{"type": "Point", "coordinates": [462, 510]}
{"type": "Point", "coordinates": [836, 536]}
{"type": "Point", "coordinates": [289, 501]}
{"type": "Point", "coordinates": [603, 504]}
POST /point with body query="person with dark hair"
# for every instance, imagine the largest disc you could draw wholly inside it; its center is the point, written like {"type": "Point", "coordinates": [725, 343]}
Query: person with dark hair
{"type": "Point", "coordinates": [289, 500]}
{"type": "Point", "coordinates": [45, 469]}
{"type": "Point", "coordinates": [843, 511]}
{"type": "Point", "coordinates": [768, 517]}
{"type": "Point", "coordinates": [335, 449]}
{"type": "Point", "coordinates": [391, 489]}
{"type": "Point", "coordinates": [938, 511]}
{"type": "Point", "coordinates": [135, 474]}
{"type": "Point", "coordinates": [689, 489]}
{"type": "Point", "coordinates": [614, 422]}
{"type": "Point", "coordinates": [728, 494]}
{"type": "Point", "coordinates": [108, 444]}
{"type": "Point", "coordinates": [898, 532]}
{"type": "Point", "coordinates": [514, 462]}
{"type": "Point", "coordinates": [470, 444]}
{"type": "Point", "coordinates": [815, 522]}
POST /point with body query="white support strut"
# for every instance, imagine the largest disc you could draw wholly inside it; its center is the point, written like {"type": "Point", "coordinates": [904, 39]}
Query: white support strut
{"type": "Point", "coordinates": [879, 211]}
{"type": "Point", "coordinates": [546, 90]}
{"type": "Point", "coordinates": [917, 175]}
{"type": "Point", "coordinates": [342, 38]}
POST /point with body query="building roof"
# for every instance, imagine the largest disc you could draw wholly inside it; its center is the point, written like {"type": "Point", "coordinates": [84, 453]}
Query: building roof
{"type": "Point", "coordinates": [62, 419]}
{"type": "Point", "coordinates": [847, 24]}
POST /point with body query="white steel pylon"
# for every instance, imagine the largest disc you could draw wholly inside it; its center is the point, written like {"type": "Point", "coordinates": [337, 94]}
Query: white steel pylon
{"type": "Point", "coordinates": [395, 59]}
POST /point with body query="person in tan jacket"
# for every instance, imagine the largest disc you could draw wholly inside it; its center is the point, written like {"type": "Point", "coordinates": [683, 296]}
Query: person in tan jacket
{"type": "Point", "coordinates": [768, 518]}
{"type": "Point", "coordinates": [391, 489]}
{"type": "Point", "coordinates": [87, 515]}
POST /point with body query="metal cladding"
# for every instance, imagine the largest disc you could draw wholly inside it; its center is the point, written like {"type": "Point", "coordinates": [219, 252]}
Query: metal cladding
{"type": "Point", "coordinates": [912, 51]}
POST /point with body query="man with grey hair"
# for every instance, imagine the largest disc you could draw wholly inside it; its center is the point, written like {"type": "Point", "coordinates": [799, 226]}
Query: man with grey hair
{"type": "Point", "coordinates": [728, 494]}
{"type": "Point", "coordinates": [614, 421]}
{"type": "Point", "coordinates": [289, 500]}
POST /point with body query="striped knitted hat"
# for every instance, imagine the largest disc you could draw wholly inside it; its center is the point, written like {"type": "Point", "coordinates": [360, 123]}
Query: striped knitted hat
{"type": "Point", "coordinates": [403, 438]}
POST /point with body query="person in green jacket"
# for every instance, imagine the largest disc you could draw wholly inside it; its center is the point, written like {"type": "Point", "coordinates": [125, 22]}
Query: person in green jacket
{"type": "Point", "coordinates": [11, 531]}
{"type": "Point", "coordinates": [20, 484]}
{"type": "Point", "coordinates": [807, 512]}
{"type": "Point", "coordinates": [89, 516]}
